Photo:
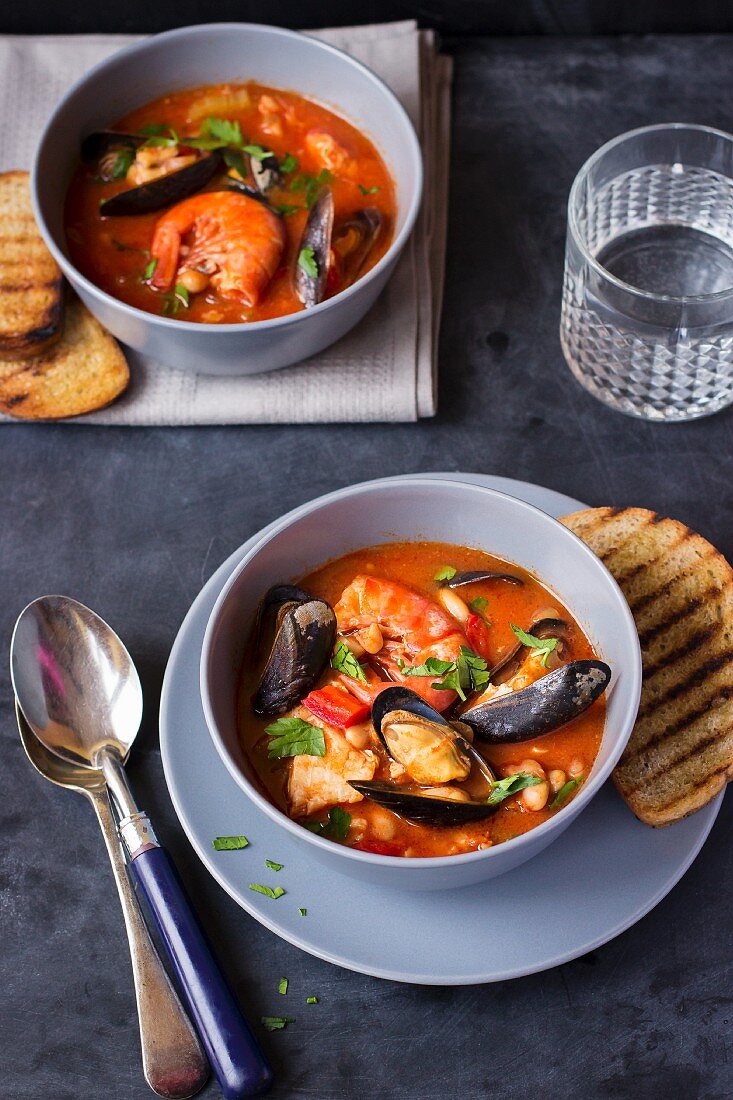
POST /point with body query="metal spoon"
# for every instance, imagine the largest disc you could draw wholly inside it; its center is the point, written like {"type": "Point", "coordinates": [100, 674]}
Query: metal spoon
{"type": "Point", "coordinates": [80, 693]}
{"type": "Point", "coordinates": [174, 1063]}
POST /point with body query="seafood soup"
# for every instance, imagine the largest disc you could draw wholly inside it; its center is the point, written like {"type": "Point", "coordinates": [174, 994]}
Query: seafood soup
{"type": "Point", "coordinates": [420, 699]}
{"type": "Point", "coordinates": [228, 203]}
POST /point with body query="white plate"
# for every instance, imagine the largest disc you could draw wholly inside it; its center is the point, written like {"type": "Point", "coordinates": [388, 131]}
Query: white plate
{"type": "Point", "coordinates": [600, 877]}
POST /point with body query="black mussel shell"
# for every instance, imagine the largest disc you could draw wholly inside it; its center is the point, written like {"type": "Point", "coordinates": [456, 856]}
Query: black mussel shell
{"type": "Point", "coordinates": [422, 809]}
{"type": "Point", "coordinates": [95, 145]}
{"type": "Point", "coordinates": [470, 576]}
{"type": "Point", "coordinates": [304, 637]}
{"type": "Point", "coordinates": [402, 698]}
{"type": "Point", "coordinates": [317, 238]}
{"type": "Point", "coordinates": [163, 191]}
{"type": "Point", "coordinates": [363, 229]}
{"type": "Point", "coordinates": [542, 707]}
{"type": "Point", "coordinates": [265, 172]}
{"type": "Point", "coordinates": [511, 663]}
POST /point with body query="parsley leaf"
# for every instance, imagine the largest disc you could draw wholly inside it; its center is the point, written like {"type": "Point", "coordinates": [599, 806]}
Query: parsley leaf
{"type": "Point", "coordinates": [479, 604]}
{"type": "Point", "coordinates": [229, 843]}
{"type": "Point", "coordinates": [234, 159]}
{"type": "Point", "coordinates": [282, 986]}
{"type": "Point", "coordinates": [337, 825]}
{"type": "Point", "coordinates": [272, 865]}
{"type": "Point", "coordinates": [226, 131]}
{"type": "Point", "coordinates": [289, 164]}
{"type": "Point", "coordinates": [307, 261]}
{"type": "Point", "coordinates": [257, 151]}
{"type": "Point", "coordinates": [311, 1000]}
{"type": "Point", "coordinates": [287, 208]}
{"type": "Point", "coordinates": [311, 185]}
{"type": "Point", "coordinates": [464, 676]}
{"type": "Point", "coordinates": [267, 890]}
{"type": "Point", "coordinates": [177, 298]}
{"type": "Point", "coordinates": [505, 788]}
{"type": "Point", "coordinates": [344, 660]}
{"type": "Point", "coordinates": [154, 129]}
{"type": "Point", "coordinates": [565, 791]}
{"type": "Point", "coordinates": [368, 190]}
{"type": "Point", "coordinates": [540, 646]}
{"type": "Point", "coordinates": [303, 912]}
{"type": "Point", "coordinates": [276, 1023]}
{"type": "Point", "coordinates": [294, 737]}
{"type": "Point", "coordinates": [445, 573]}
{"type": "Point", "coordinates": [121, 164]}
{"type": "Point", "coordinates": [149, 270]}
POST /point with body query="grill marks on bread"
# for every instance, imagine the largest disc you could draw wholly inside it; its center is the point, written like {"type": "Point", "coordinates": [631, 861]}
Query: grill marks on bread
{"type": "Point", "coordinates": [680, 590]}
{"type": "Point", "coordinates": [31, 287]}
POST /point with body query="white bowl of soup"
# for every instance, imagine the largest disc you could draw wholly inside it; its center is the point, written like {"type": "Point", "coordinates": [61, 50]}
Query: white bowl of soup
{"type": "Point", "coordinates": [229, 198]}
{"type": "Point", "coordinates": [439, 680]}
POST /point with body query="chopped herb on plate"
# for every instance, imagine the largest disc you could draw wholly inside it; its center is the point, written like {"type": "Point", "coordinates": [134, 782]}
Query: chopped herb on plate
{"type": "Point", "coordinates": [267, 890]}
{"type": "Point", "coordinates": [302, 912]}
{"type": "Point", "coordinates": [294, 737]}
{"type": "Point", "coordinates": [277, 1023]}
{"type": "Point", "coordinates": [343, 660]}
{"type": "Point", "coordinates": [311, 1000]}
{"type": "Point", "coordinates": [229, 843]}
{"type": "Point", "coordinates": [272, 865]}
{"type": "Point", "coordinates": [282, 986]}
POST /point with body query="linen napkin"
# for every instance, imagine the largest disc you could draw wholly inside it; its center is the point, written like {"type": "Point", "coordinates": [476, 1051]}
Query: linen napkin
{"type": "Point", "coordinates": [385, 368]}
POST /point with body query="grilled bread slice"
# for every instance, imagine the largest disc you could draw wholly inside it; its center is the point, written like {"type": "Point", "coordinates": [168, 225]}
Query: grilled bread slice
{"type": "Point", "coordinates": [31, 289]}
{"type": "Point", "coordinates": [84, 371]}
{"type": "Point", "coordinates": [680, 591]}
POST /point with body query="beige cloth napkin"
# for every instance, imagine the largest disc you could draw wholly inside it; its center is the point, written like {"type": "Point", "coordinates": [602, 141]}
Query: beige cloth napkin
{"type": "Point", "coordinates": [385, 369]}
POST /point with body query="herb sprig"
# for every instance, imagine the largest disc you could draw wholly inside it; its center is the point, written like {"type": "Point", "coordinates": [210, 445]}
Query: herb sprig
{"type": "Point", "coordinates": [337, 825]}
{"type": "Point", "coordinates": [466, 675]}
{"type": "Point", "coordinates": [294, 737]}
{"type": "Point", "coordinates": [343, 660]}
{"type": "Point", "coordinates": [540, 646]}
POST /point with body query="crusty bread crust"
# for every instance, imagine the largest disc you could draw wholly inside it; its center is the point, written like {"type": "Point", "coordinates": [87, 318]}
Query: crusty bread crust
{"type": "Point", "coordinates": [84, 371]}
{"type": "Point", "coordinates": [680, 591]}
{"type": "Point", "coordinates": [31, 284]}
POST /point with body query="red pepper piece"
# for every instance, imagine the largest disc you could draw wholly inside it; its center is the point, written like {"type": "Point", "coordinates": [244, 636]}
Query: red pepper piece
{"type": "Point", "coordinates": [380, 847]}
{"type": "Point", "coordinates": [477, 634]}
{"type": "Point", "coordinates": [336, 707]}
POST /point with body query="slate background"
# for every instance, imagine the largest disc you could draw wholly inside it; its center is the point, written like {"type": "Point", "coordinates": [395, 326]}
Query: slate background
{"type": "Point", "coordinates": [133, 521]}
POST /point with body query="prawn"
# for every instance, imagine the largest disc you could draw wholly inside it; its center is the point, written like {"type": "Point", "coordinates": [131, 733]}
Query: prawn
{"type": "Point", "coordinates": [415, 627]}
{"type": "Point", "coordinates": [231, 237]}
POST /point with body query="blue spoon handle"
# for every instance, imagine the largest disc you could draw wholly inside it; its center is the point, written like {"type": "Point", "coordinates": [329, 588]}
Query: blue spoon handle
{"type": "Point", "coordinates": [236, 1059]}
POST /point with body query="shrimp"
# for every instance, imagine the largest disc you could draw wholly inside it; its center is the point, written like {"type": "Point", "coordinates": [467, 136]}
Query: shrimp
{"type": "Point", "coordinates": [232, 237]}
{"type": "Point", "coordinates": [415, 627]}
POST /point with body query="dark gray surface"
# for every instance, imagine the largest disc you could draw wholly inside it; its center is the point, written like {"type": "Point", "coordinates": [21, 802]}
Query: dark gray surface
{"type": "Point", "coordinates": [133, 521]}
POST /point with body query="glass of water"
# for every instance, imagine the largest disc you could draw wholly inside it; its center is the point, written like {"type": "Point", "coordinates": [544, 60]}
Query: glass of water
{"type": "Point", "coordinates": [647, 311]}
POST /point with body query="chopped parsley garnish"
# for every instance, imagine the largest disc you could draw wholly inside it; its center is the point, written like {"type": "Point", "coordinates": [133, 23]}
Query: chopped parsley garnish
{"type": "Point", "coordinates": [505, 788]}
{"type": "Point", "coordinates": [177, 299]}
{"type": "Point", "coordinates": [294, 737]}
{"type": "Point", "coordinates": [368, 190]}
{"type": "Point", "coordinates": [565, 791]}
{"type": "Point", "coordinates": [288, 164]}
{"type": "Point", "coordinates": [307, 261]}
{"type": "Point", "coordinates": [272, 865]}
{"type": "Point", "coordinates": [149, 270]}
{"type": "Point", "coordinates": [257, 151]}
{"type": "Point", "coordinates": [229, 843]}
{"type": "Point", "coordinates": [121, 164]}
{"type": "Point", "coordinates": [311, 185]}
{"type": "Point", "coordinates": [276, 1023]}
{"type": "Point", "coordinates": [445, 573]}
{"type": "Point", "coordinates": [343, 660]}
{"type": "Point", "coordinates": [267, 890]}
{"type": "Point", "coordinates": [464, 676]}
{"type": "Point", "coordinates": [287, 208]}
{"type": "Point", "coordinates": [234, 159]}
{"type": "Point", "coordinates": [302, 912]}
{"type": "Point", "coordinates": [282, 986]}
{"type": "Point", "coordinates": [479, 604]}
{"type": "Point", "coordinates": [156, 136]}
{"type": "Point", "coordinates": [153, 129]}
{"type": "Point", "coordinates": [540, 646]}
{"type": "Point", "coordinates": [337, 825]}
{"type": "Point", "coordinates": [311, 1000]}
{"type": "Point", "coordinates": [222, 130]}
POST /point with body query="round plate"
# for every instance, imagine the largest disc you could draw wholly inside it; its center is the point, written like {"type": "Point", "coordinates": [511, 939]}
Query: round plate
{"type": "Point", "coordinates": [600, 877]}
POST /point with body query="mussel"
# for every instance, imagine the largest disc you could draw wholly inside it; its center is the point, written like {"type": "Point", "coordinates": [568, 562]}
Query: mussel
{"type": "Point", "coordinates": [512, 661]}
{"type": "Point", "coordinates": [303, 636]}
{"type": "Point", "coordinates": [434, 753]}
{"type": "Point", "coordinates": [471, 576]}
{"type": "Point", "coordinates": [265, 172]}
{"type": "Point", "coordinates": [311, 267]}
{"type": "Point", "coordinates": [165, 190]}
{"type": "Point", "coordinates": [353, 240]}
{"type": "Point", "coordinates": [96, 146]}
{"type": "Point", "coordinates": [542, 707]}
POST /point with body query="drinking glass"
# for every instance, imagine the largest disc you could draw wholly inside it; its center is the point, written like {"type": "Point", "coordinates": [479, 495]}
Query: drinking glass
{"type": "Point", "coordinates": [647, 310]}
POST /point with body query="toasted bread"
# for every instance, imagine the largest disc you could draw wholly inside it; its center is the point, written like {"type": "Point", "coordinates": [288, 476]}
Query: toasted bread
{"type": "Point", "coordinates": [84, 371]}
{"type": "Point", "coordinates": [31, 285]}
{"type": "Point", "coordinates": [680, 591]}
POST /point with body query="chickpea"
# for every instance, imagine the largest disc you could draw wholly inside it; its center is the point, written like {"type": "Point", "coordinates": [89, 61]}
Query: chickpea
{"type": "Point", "coordinates": [383, 824]}
{"type": "Point", "coordinates": [193, 280]}
{"type": "Point", "coordinates": [576, 767]}
{"type": "Point", "coordinates": [557, 779]}
{"type": "Point", "coordinates": [359, 735]}
{"type": "Point", "coordinates": [454, 605]}
{"type": "Point", "coordinates": [535, 798]}
{"type": "Point", "coordinates": [531, 767]}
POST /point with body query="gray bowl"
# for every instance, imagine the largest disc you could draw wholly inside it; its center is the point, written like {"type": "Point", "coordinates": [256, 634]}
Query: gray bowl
{"type": "Point", "coordinates": [212, 54]}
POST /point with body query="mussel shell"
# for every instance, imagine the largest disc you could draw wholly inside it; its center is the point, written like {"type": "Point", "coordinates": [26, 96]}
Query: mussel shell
{"type": "Point", "coordinates": [511, 663]}
{"type": "Point", "coordinates": [366, 225]}
{"type": "Point", "coordinates": [317, 237]}
{"type": "Point", "coordinates": [163, 191]}
{"type": "Point", "coordinates": [301, 649]}
{"type": "Point", "coordinates": [423, 810]}
{"type": "Point", "coordinates": [471, 576]}
{"type": "Point", "coordinates": [265, 172]}
{"type": "Point", "coordinates": [99, 142]}
{"type": "Point", "coordinates": [542, 707]}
